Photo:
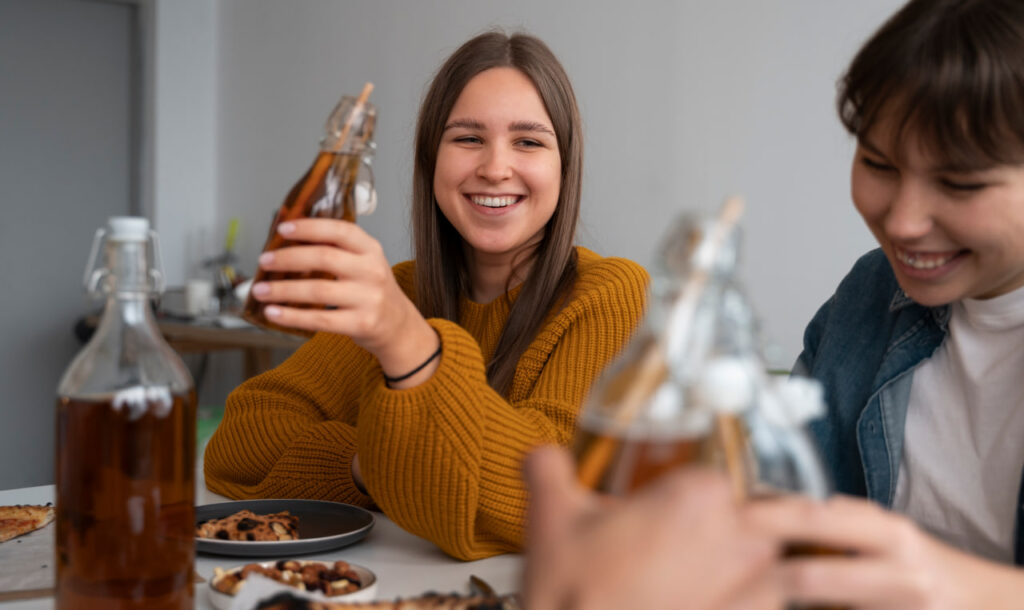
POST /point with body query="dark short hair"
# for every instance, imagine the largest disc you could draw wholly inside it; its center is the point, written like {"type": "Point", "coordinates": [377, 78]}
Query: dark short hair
{"type": "Point", "coordinates": [950, 71]}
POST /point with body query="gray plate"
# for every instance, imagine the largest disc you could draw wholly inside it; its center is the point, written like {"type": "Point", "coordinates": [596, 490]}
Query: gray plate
{"type": "Point", "coordinates": [322, 526]}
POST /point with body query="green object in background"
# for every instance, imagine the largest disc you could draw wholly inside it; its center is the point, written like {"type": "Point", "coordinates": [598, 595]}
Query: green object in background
{"type": "Point", "coordinates": [229, 240]}
{"type": "Point", "coordinates": [207, 420]}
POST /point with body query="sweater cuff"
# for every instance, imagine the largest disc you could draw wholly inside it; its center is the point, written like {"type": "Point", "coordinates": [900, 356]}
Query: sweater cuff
{"type": "Point", "coordinates": [460, 366]}
{"type": "Point", "coordinates": [346, 482]}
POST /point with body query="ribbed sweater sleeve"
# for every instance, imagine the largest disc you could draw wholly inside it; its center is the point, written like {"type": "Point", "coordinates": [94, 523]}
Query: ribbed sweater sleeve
{"type": "Point", "coordinates": [290, 432]}
{"type": "Point", "coordinates": [443, 459]}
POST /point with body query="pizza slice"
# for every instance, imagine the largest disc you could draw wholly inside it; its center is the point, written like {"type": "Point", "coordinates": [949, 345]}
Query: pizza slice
{"type": "Point", "coordinates": [22, 519]}
{"type": "Point", "coordinates": [246, 525]}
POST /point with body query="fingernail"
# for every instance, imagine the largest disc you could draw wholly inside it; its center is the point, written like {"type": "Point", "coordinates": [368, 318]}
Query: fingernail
{"type": "Point", "coordinates": [272, 311]}
{"type": "Point", "coordinates": [260, 289]}
{"type": "Point", "coordinates": [266, 258]}
{"type": "Point", "coordinates": [285, 228]}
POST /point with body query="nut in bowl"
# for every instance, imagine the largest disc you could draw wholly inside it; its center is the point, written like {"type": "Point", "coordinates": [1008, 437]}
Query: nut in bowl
{"type": "Point", "coordinates": [322, 580]}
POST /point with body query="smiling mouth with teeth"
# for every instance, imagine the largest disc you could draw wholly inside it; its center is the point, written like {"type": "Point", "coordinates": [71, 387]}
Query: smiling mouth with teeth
{"type": "Point", "coordinates": [924, 260]}
{"type": "Point", "coordinates": [495, 202]}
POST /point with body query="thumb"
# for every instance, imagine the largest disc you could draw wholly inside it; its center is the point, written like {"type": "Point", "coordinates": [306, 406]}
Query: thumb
{"type": "Point", "coordinates": [553, 490]}
{"type": "Point", "coordinates": [552, 508]}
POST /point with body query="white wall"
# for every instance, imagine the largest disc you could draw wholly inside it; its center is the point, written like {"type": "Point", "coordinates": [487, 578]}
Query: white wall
{"type": "Point", "coordinates": [684, 102]}
{"type": "Point", "coordinates": [184, 133]}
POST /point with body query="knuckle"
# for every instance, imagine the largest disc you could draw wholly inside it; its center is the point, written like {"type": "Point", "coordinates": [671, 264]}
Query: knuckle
{"type": "Point", "coordinates": [760, 553]}
{"type": "Point", "coordinates": [379, 274]}
{"type": "Point", "coordinates": [320, 291]}
{"type": "Point", "coordinates": [321, 319]}
{"type": "Point", "coordinates": [377, 301]}
{"type": "Point", "coordinates": [815, 511]}
{"type": "Point", "coordinates": [905, 536]}
{"type": "Point", "coordinates": [323, 256]}
{"type": "Point", "coordinates": [808, 511]}
{"type": "Point", "coordinates": [364, 325]}
{"type": "Point", "coordinates": [802, 578]}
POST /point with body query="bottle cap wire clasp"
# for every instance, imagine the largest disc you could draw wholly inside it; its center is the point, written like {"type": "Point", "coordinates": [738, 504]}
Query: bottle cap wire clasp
{"type": "Point", "coordinates": [120, 228]}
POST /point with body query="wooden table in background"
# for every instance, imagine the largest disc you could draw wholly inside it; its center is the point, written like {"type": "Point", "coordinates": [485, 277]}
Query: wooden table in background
{"type": "Point", "coordinates": [257, 344]}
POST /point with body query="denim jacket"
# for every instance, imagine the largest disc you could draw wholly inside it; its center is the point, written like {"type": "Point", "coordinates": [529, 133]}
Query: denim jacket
{"type": "Point", "coordinates": [863, 345]}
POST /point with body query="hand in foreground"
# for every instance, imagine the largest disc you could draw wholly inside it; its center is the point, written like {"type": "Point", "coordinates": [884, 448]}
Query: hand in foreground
{"type": "Point", "coordinates": [368, 305]}
{"type": "Point", "coordinates": [895, 564]}
{"type": "Point", "coordinates": [680, 543]}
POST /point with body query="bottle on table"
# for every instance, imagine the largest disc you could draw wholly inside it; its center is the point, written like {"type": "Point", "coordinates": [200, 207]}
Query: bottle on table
{"type": "Point", "coordinates": [338, 185]}
{"type": "Point", "coordinates": [125, 445]}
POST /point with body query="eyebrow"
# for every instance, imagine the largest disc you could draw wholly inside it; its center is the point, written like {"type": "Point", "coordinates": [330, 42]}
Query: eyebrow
{"type": "Point", "coordinates": [531, 126]}
{"type": "Point", "coordinates": [464, 123]}
{"type": "Point", "coordinates": [866, 143]}
{"type": "Point", "coordinates": [945, 167]}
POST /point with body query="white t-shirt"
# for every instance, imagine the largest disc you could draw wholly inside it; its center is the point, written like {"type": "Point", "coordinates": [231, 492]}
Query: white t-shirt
{"type": "Point", "coordinates": [963, 447]}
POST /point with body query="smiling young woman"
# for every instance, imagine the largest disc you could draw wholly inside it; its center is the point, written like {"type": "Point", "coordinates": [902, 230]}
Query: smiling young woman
{"type": "Point", "coordinates": [948, 232]}
{"type": "Point", "coordinates": [428, 382]}
{"type": "Point", "coordinates": [920, 347]}
{"type": "Point", "coordinates": [498, 174]}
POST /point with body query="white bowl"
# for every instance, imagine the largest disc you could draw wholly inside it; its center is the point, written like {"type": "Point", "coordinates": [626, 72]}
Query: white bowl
{"type": "Point", "coordinates": [262, 586]}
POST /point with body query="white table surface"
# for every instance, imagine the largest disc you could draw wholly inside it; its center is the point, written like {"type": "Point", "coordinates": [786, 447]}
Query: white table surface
{"type": "Point", "coordinates": [406, 565]}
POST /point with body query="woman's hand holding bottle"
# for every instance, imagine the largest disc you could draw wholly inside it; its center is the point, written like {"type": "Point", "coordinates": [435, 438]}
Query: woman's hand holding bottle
{"type": "Point", "coordinates": [893, 563]}
{"type": "Point", "coordinates": [357, 286]}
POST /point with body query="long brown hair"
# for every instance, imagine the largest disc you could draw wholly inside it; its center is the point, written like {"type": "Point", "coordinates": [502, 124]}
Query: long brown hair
{"type": "Point", "coordinates": [950, 71]}
{"type": "Point", "coordinates": [441, 270]}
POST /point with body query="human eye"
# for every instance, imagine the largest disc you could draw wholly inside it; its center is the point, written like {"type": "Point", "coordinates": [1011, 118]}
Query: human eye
{"type": "Point", "coordinates": [467, 139]}
{"type": "Point", "coordinates": [963, 185]}
{"type": "Point", "coordinates": [876, 165]}
{"type": "Point", "coordinates": [530, 143]}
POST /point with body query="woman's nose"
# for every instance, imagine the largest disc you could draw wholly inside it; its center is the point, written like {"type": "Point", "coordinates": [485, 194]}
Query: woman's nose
{"type": "Point", "coordinates": [495, 164]}
{"type": "Point", "coordinates": [910, 213]}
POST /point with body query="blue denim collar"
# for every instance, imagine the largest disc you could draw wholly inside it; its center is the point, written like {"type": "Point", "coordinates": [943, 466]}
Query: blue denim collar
{"type": "Point", "coordinates": [940, 314]}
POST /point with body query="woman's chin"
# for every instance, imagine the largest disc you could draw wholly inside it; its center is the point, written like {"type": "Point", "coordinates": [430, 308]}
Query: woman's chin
{"type": "Point", "coordinates": [930, 296]}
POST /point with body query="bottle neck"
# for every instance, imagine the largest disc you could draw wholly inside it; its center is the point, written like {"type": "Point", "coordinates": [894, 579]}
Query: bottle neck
{"type": "Point", "coordinates": [127, 266]}
{"type": "Point", "coordinates": [127, 284]}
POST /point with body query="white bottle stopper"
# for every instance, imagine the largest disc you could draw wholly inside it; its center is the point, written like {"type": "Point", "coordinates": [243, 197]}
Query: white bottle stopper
{"type": "Point", "coordinates": [726, 385]}
{"type": "Point", "coordinates": [127, 228]}
{"type": "Point", "coordinates": [803, 399]}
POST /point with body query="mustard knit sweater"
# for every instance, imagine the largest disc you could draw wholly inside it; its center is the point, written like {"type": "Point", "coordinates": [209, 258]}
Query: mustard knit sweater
{"type": "Point", "coordinates": [442, 459]}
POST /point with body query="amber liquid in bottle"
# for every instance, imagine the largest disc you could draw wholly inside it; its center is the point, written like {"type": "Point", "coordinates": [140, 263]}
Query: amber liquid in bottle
{"type": "Point", "coordinates": [125, 508]}
{"type": "Point", "coordinates": [326, 191]}
{"type": "Point", "coordinates": [635, 463]}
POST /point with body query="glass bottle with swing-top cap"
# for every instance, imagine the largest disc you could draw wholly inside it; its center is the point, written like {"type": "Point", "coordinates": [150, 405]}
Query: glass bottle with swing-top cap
{"type": "Point", "coordinates": [338, 185]}
{"type": "Point", "coordinates": [125, 444]}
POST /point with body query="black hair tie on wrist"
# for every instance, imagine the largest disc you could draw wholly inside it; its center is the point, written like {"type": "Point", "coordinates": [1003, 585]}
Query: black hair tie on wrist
{"type": "Point", "coordinates": [390, 380]}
